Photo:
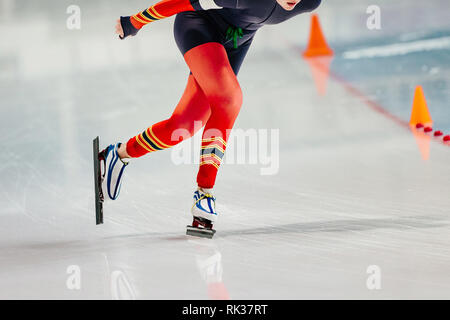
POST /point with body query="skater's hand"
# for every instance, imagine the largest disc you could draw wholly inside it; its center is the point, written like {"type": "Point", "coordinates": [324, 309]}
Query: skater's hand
{"type": "Point", "coordinates": [125, 28]}
{"type": "Point", "coordinates": [119, 29]}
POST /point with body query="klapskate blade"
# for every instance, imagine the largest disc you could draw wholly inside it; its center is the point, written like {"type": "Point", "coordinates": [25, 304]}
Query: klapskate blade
{"type": "Point", "coordinates": [200, 232]}
{"type": "Point", "coordinates": [98, 202]}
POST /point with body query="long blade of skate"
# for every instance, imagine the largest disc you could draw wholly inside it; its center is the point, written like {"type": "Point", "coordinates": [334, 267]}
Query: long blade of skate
{"type": "Point", "coordinates": [98, 202]}
{"type": "Point", "coordinates": [200, 232]}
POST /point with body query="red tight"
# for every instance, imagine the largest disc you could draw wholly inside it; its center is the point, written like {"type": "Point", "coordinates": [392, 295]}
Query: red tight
{"type": "Point", "coordinates": [212, 96]}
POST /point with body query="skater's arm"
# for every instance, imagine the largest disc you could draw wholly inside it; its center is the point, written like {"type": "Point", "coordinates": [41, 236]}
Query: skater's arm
{"type": "Point", "coordinates": [166, 8]}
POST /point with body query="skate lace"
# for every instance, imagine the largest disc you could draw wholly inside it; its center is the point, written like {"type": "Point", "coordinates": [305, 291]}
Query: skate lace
{"type": "Point", "coordinates": [204, 196]}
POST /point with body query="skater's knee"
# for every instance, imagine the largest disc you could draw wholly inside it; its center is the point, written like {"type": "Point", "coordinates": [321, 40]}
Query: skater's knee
{"type": "Point", "coordinates": [227, 100]}
{"type": "Point", "coordinates": [233, 97]}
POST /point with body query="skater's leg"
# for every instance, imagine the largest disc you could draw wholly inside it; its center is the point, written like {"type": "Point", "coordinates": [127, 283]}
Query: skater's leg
{"type": "Point", "coordinates": [211, 68]}
{"type": "Point", "coordinates": [190, 114]}
{"type": "Point", "coordinates": [188, 117]}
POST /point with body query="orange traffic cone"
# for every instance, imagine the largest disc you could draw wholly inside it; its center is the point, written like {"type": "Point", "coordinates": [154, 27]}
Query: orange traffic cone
{"type": "Point", "coordinates": [419, 112]}
{"type": "Point", "coordinates": [421, 116]}
{"type": "Point", "coordinates": [317, 45]}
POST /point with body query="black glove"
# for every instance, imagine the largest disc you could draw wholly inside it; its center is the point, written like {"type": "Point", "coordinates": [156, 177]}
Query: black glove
{"type": "Point", "coordinates": [127, 27]}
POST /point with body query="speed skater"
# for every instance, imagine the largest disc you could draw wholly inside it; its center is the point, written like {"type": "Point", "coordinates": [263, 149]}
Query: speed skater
{"type": "Point", "coordinates": [213, 37]}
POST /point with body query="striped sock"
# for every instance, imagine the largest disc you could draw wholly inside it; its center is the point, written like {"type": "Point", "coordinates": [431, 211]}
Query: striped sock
{"type": "Point", "coordinates": [144, 143]}
{"type": "Point", "coordinates": [211, 154]}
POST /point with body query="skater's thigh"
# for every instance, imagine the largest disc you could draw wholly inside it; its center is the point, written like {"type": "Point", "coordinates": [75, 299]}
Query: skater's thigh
{"type": "Point", "coordinates": [193, 105]}
{"type": "Point", "coordinates": [211, 68]}
{"type": "Point", "coordinates": [200, 42]}
{"type": "Point", "coordinates": [193, 28]}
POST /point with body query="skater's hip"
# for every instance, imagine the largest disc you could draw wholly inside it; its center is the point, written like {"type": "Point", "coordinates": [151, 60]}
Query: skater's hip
{"type": "Point", "coordinates": [194, 28]}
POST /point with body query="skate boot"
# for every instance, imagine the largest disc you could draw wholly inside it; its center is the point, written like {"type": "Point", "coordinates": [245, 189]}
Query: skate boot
{"type": "Point", "coordinates": [112, 168]}
{"type": "Point", "coordinates": [108, 175]}
{"type": "Point", "coordinates": [204, 213]}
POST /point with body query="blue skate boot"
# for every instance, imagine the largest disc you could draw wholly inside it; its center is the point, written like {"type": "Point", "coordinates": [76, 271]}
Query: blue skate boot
{"type": "Point", "coordinates": [112, 171]}
{"type": "Point", "coordinates": [204, 213]}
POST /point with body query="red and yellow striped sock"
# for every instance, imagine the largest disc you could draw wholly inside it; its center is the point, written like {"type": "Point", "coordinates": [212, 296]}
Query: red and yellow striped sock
{"type": "Point", "coordinates": [146, 142]}
{"type": "Point", "coordinates": [211, 154]}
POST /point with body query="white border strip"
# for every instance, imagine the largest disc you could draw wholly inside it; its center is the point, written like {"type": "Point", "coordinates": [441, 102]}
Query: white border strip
{"type": "Point", "coordinates": [399, 48]}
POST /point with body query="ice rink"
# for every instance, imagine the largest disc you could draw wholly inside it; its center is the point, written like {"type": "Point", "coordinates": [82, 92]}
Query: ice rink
{"type": "Point", "coordinates": [355, 193]}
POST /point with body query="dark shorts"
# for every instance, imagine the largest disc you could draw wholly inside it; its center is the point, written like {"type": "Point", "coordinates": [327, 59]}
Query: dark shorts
{"type": "Point", "coordinates": [193, 28]}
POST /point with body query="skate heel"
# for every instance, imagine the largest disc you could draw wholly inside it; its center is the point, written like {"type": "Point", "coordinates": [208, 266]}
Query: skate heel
{"type": "Point", "coordinates": [200, 228]}
{"type": "Point", "coordinates": [204, 213]}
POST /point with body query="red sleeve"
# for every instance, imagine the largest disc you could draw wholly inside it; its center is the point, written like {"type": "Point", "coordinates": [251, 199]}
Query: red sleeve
{"type": "Point", "coordinates": [160, 10]}
{"type": "Point", "coordinates": [167, 8]}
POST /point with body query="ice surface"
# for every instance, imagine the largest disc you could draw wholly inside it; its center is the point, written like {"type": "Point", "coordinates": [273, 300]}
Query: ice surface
{"type": "Point", "coordinates": [352, 190]}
